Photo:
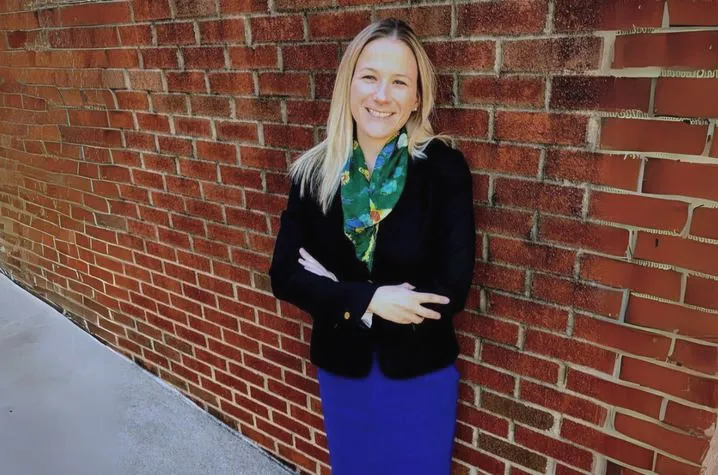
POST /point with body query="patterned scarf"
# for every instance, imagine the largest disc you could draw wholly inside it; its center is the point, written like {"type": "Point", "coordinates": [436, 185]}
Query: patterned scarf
{"type": "Point", "coordinates": [369, 198]}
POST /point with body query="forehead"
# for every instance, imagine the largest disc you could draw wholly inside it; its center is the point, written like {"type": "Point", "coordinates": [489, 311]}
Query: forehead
{"type": "Point", "coordinates": [388, 54]}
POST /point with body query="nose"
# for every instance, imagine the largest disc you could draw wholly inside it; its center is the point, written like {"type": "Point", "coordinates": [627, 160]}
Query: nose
{"type": "Point", "coordinates": [381, 91]}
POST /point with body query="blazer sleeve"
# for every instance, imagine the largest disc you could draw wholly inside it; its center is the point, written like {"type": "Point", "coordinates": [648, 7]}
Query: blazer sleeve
{"type": "Point", "coordinates": [332, 302]}
{"type": "Point", "coordinates": [455, 228]}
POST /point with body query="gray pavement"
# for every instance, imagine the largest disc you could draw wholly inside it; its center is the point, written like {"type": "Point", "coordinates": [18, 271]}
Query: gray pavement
{"type": "Point", "coordinates": [72, 406]}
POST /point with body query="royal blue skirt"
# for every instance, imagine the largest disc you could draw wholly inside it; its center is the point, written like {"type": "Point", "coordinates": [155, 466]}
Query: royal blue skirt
{"type": "Point", "coordinates": [380, 426]}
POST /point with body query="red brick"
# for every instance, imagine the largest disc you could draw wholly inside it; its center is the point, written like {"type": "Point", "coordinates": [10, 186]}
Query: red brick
{"type": "Point", "coordinates": [256, 57]}
{"type": "Point", "coordinates": [101, 37]}
{"type": "Point", "coordinates": [243, 6]}
{"type": "Point", "coordinates": [192, 126]}
{"type": "Point", "coordinates": [570, 350]}
{"type": "Point", "coordinates": [621, 337]}
{"type": "Point", "coordinates": [502, 18]}
{"type": "Point", "coordinates": [705, 222]}
{"type": "Point", "coordinates": [577, 54]}
{"type": "Point", "coordinates": [532, 255]}
{"type": "Point", "coordinates": [284, 84]}
{"type": "Point", "coordinates": [673, 177]}
{"type": "Point", "coordinates": [672, 318]}
{"type": "Point", "coordinates": [691, 49]}
{"type": "Point", "coordinates": [88, 14]}
{"type": "Point", "coordinates": [703, 358]}
{"type": "Point", "coordinates": [668, 466]}
{"type": "Point", "coordinates": [307, 112]}
{"type": "Point", "coordinates": [602, 93]}
{"type": "Point", "coordinates": [602, 169]}
{"type": "Point", "coordinates": [221, 152]}
{"type": "Point", "coordinates": [686, 97]}
{"type": "Point", "coordinates": [540, 128]}
{"type": "Point", "coordinates": [91, 136]}
{"type": "Point", "coordinates": [487, 328]}
{"type": "Point", "coordinates": [527, 312]}
{"type": "Point", "coordinates": [277, 28]}
{"type": "Point", "coordinates": [692, 13]}
{"type": "Point", "coordinates": [240, 177]}
{"type": "Point", "coordinates": [700, 390]}
{"type": "Point", "coordinates": [135, 35]}
{"type": "Point", "coordinates": [194, 8]}
{"type": "Point", "coordinates": [464, 122]}
{"type": "Point", "coordinates": [150, 9]}
{"type": "Point", "coordinates": [512, 90]}
{"type": "Point", "coordinates": [535, 195]}
{"type": "Point", "coordinates": [210, 105]}
{"type": "Point", "coordinates": [688, 418]}
{"type": "Point", "coordinates": [424, 20]}
{"type": "Point", "coordinates": [175, 34]}
{"type": "Point", "coordinates": [160, 58]}
{"type": "Point", "coordinates": [461, 55]}
{"type": "Point", "coordinates": [565, 403]}
{"type": "Point", "coordinates": [478, 459]}
{"type": "Point", "coordinates": [606, 444]}
{"type": "Point", "coordinates": [288, 136]}
{"type": "Point", "coordinates": [702, 292]}
{"type": "Point", "coordinates": [148, 80]}
{"type": "Point", "coordinates": [186, 82]}
{"type": "Point", "coordinates": [498, 277]}
{"type": "Point", "coordinates": [714, 149]}
{"type": "Point", "coordinates": [234, 83]}
{"type": "Point", "coordinates": [640, 211]}
{"type": "Point", "coordinates": [501, 158]}
{"type": "Point", "coordinates": [259, 108]}
{"type": "Point", "coordinates": [503, 221]}
{"type": "Point", "coordinates": [653, 136]}
{"type": "Point", "coordinates": [622, 274]}
{"type": "Point", "coordinates": [222, 31]}
{"type": "Point", "coordinates": [487, 377]}
{"type": "Point", "coordinates": [483, 420]}
{"type": "Point", "coordinates": [203, 58]}
{"type": "Point", "coordinates": [591, 15]}
{"type": "Point", "coordinates": [523, 364]}
{"type": "Point", "coordinates": [294, 5]}
{"type": "Point", "coordinates": [553, 448]}
{"type": "Point", "coordinates": [242, 131]}
{"type": "Point", "coordinates": [677, 251]}
{"type": "Point", "coordinates": [614, 394]}
{"type": "Point", "coordinates": [584, 235]}
{"type": "Point", "coordinates": [340, 25]}
{"type": "Point", "coordinates": [684, 446]}
{"type": "Point", "coordinates": [311, 56]}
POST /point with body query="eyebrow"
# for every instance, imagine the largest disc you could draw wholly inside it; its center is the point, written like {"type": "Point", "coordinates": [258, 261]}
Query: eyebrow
{"type": "Point", "coordinates": [372, 69]}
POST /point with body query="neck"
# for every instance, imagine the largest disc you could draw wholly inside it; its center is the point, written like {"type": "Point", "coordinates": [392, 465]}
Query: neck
{"type": "Point", "coordinates": [370, 149]}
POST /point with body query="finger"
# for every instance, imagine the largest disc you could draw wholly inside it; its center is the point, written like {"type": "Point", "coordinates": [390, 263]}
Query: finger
{"type": "Point", "coordinates": [314, 269]}
{"type": "Point", "coordinates": [307, 256]}
{"type": "Point", "coordinates": [428, 313]}
{"type": "Point", "coordinates": [407, 285]}
{"type": "Point", "coordinates": [432, 298]}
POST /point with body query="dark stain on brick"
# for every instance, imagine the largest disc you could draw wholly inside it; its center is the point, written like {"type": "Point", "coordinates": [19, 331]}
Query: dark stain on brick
{"type": "Point", "coordinates": [516, 411]}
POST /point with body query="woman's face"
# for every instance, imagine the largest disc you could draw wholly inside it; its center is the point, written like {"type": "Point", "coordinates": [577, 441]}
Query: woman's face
{"type": "Point", "coordinates": [383, 90]}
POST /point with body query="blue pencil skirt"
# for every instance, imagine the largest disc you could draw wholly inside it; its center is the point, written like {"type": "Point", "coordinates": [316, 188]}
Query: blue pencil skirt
{"type": "Point", "coordinates": [382, 426]}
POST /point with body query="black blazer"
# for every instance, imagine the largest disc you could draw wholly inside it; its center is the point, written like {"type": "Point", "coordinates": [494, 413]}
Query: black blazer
{"type": "Point", "coordinates": [427, 240]}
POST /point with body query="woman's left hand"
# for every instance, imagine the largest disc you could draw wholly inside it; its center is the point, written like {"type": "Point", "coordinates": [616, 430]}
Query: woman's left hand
{"type": "Point", "coordinates": [313, 266]}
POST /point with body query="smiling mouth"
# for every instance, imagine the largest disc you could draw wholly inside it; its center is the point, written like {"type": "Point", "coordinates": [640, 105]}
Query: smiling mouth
{"type": "Point", "coordinates": [377, 114]}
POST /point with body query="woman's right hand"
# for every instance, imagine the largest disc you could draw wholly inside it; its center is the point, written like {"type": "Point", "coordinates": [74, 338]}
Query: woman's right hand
{"type": "Point", "coordinates": [400, 304]}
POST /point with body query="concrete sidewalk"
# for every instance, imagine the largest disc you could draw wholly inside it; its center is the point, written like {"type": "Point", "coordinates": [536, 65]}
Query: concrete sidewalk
{"type": "Point", "coordinates": [71, 406]}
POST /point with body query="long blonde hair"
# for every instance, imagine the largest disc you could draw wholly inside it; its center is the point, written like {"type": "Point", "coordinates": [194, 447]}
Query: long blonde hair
{"type": "Point", "coordinates": [320, 167]}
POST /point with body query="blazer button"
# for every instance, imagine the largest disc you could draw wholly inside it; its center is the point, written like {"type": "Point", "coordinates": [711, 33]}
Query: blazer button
{"type": "Point", "coordinates": [347, 315]}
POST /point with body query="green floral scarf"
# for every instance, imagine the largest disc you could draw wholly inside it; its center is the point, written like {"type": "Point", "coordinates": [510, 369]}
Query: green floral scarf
{"type": "Point", "coordinates": [369, 198]}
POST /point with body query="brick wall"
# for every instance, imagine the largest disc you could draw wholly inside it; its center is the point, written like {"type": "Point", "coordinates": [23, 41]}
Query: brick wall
{"type": "Point", "coordinates": [143, 151]}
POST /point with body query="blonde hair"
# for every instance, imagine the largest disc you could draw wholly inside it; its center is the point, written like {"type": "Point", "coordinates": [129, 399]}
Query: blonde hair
{"type": "Point", "coordinates": [320, 167]}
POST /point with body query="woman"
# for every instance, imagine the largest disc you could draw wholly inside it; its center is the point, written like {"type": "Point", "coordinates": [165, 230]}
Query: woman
{"type": "Point", "coordinates": [378, 243]}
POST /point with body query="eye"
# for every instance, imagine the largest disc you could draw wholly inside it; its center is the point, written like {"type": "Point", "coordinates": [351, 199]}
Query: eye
{"type": "Point", "coordinates": [367, 76]}
{"type": "Point", "coordinates": [400, 82]}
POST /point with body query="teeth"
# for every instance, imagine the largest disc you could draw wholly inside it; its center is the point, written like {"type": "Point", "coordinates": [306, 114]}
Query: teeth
{"type": "Point", "coordinates": [379, 114]}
